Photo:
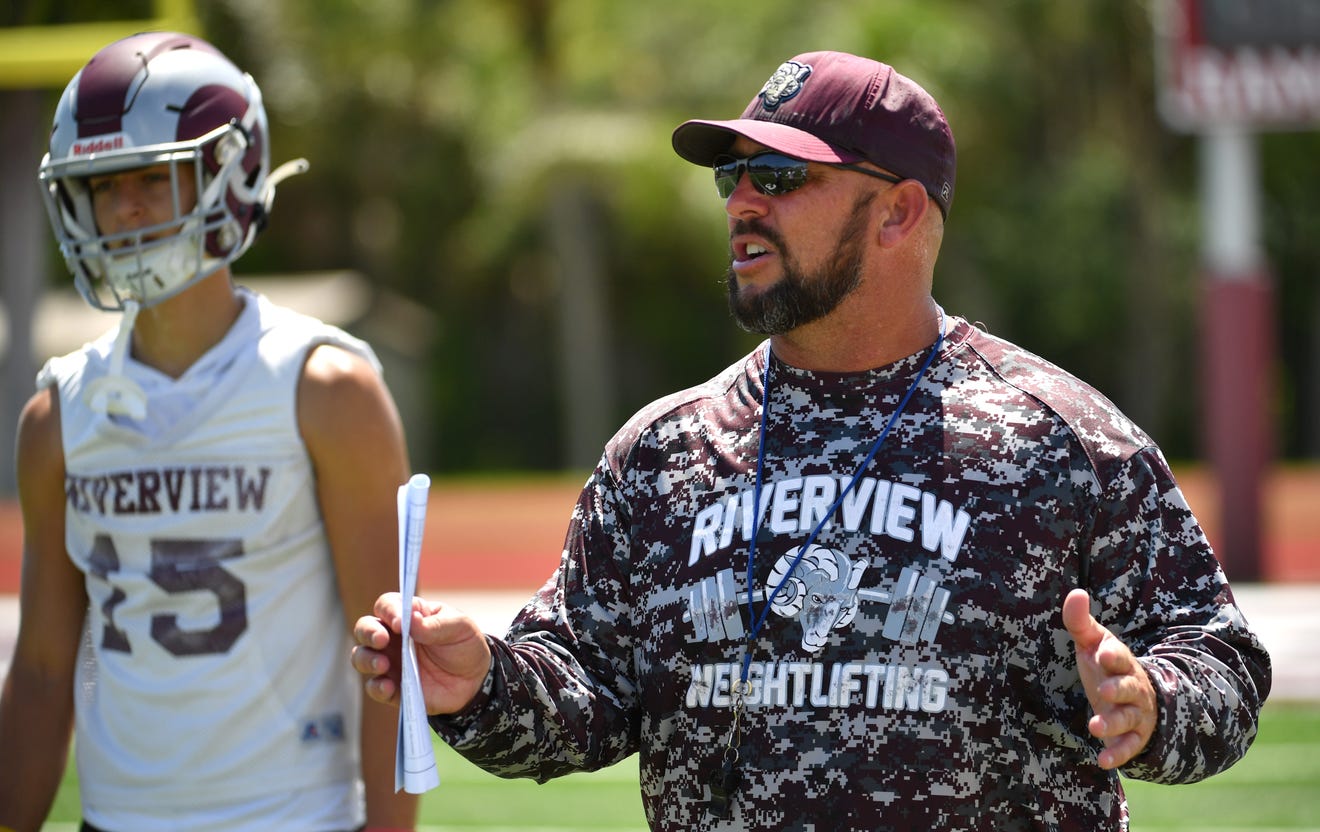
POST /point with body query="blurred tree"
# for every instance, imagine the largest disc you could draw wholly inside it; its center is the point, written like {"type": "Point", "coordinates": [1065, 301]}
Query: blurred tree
{"type": "Point", "coordinates": [1291, 167]}
{"type": "Point", "coordinates": [456, 144]}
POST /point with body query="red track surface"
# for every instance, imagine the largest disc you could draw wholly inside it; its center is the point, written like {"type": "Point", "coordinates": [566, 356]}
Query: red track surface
{"type": "Point", "coordinates": [502, 536]}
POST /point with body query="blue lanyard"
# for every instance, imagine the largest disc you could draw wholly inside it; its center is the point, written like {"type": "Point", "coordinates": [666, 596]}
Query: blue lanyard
{"type": "Point", "coordinates": [759, 620]}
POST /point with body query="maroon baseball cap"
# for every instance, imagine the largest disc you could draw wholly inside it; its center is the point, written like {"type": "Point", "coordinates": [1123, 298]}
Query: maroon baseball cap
{"type": "Point", "coordinates": [836, 107]}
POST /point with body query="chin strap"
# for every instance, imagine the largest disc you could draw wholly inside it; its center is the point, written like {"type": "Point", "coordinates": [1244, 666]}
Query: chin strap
{"type": "Point", "coordinates": [115, 394]}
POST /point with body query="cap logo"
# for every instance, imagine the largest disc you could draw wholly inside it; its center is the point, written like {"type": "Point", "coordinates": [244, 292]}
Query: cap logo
{"type": "Point", "coordinates": [784, 84]}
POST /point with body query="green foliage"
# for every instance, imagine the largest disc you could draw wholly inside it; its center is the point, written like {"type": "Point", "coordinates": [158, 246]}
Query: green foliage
{"type": "Point", "coordinates": [55, 12]}
{"type": "Point", "coordinates": [440, 133]}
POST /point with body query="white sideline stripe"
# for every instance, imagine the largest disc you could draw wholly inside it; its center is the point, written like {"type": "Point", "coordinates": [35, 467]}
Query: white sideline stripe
{"type": "Point", "coordinates": [1283, 615]}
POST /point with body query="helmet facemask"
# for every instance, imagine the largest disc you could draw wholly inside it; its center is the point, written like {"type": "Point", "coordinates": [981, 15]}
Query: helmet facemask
{"type": "Point", "coordinates": [149, 263]}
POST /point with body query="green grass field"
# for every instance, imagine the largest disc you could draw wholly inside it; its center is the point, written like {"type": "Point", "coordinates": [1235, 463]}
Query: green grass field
{"type": "Point", "coordinates": [1276, 787]}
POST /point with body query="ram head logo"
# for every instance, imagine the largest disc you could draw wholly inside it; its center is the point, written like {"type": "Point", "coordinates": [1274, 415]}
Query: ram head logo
{"type": "Point", "coordinates": [821, 591]}
{"type": "Point", "coordinates": [783, 85]}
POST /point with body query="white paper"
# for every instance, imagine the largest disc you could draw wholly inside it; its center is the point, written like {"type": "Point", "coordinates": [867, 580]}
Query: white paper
{"type": "Point", "coordinates": [414, 759]}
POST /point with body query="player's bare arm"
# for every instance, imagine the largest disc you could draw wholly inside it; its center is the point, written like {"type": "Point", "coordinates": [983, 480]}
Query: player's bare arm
{"type": "Point", "coordinates": [353, 433]}
{"type": "Point", "coordinates": [1123, 701]}
{"type": "Point", "coordinates": [36, 709]}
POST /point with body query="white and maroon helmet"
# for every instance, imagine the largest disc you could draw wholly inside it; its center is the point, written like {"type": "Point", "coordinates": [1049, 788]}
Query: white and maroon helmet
{"type": "Point", "coordinates": [149, 99]}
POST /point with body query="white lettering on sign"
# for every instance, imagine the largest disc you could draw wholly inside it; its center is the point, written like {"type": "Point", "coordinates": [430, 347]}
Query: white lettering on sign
{"type": "Point", "coordinates": [1272, 86]}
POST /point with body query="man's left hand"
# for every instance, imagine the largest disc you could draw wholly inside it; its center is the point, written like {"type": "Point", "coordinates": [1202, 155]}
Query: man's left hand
{"type": "Point", "coordinates": [1122, 698]}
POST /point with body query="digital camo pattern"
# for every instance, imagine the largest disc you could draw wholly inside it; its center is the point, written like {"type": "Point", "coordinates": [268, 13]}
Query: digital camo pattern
{"type": "Point", "coordinates": [914, 672]}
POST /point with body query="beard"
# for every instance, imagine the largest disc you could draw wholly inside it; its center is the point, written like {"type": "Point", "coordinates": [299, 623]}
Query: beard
{"type": "Point", "coordinates": [801, 297]}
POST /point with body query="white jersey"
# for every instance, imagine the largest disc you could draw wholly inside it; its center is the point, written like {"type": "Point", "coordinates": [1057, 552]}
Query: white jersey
{"type": "Point", "coordinates": [214, 670]}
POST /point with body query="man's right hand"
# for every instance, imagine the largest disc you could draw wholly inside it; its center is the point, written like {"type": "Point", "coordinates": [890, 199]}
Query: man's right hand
{"type": "Point", "coordinates": [453, 656]}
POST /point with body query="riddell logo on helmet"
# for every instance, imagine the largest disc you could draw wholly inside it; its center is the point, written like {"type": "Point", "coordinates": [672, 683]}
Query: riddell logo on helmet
{"type": "Point", "coordinates": [100, 145]}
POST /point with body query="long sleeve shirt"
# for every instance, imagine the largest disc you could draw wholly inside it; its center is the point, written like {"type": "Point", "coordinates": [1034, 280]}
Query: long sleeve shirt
{"type": "Point", "coordinates": [911, 669]}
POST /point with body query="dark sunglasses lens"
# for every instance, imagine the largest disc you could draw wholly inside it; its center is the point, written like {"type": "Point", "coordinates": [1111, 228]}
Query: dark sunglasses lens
{"type": "Point", "coordinates": [774, 174]}
{"type": "Point", "coordinates": [771, 173]}
{"type": "Point", "coordinates": [727, 171]}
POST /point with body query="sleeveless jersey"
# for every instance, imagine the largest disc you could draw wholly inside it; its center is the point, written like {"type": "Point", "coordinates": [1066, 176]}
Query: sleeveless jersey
{"type": "Point", "coordinates": [214, 667]}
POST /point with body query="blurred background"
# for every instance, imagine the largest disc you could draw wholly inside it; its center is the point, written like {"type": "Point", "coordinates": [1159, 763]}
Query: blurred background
{"type": "Point", "coordinates": [493, 201]}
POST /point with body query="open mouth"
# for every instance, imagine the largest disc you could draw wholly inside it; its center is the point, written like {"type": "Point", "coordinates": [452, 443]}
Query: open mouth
{"type": "Point", "coordinates": [748, 252]}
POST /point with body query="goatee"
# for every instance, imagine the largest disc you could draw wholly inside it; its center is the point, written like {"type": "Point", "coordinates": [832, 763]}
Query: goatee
{"type": "Point", "coordinates": [800, 297]}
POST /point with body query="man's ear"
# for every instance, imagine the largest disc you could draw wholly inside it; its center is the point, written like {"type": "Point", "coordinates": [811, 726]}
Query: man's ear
{"type": "Point", "coordinates": [904, 206]}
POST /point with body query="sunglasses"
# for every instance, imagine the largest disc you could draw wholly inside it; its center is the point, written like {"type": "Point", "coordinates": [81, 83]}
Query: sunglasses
{"type": "Point", "coordinates": [774, 173]}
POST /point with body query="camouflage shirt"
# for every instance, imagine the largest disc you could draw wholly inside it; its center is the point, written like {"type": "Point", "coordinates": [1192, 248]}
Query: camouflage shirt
{"type": "Point", "coordinates": [912, 671]}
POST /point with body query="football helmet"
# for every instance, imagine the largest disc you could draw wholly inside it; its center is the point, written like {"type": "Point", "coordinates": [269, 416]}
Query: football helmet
{"type": "Point", "coordinates": [151, 99]}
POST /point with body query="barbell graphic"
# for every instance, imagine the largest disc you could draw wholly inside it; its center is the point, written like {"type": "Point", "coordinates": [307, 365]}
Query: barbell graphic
{"type": "Point", "coordinates": [916, 607]}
